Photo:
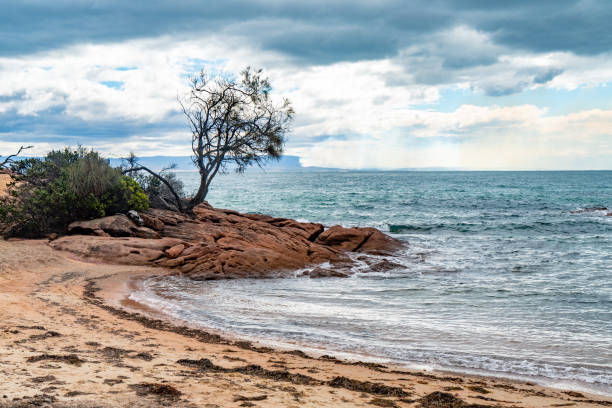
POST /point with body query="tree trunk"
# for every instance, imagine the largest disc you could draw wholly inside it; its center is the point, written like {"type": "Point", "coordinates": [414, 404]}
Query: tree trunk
{"type": "Point", "coordinates": [200, 195]}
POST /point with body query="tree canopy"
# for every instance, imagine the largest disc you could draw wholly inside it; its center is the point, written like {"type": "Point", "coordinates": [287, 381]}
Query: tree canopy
{"type": "Point", "coordinates": [233, 122]}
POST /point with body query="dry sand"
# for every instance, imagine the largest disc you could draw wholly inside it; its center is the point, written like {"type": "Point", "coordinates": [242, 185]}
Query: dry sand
{"type": "Point", "coordinates": [63, 342]}
{"type": "Point", "coordinates": [4, 180]}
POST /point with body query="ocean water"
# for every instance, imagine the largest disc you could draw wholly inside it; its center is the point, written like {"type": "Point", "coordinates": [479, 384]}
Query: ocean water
{"type": "Point", "coordinates": [504, 273]}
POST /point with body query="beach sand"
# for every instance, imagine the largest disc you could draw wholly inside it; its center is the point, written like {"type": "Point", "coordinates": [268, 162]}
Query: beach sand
{"type": "Point", "coordinates": [5, 179]}
{"type": "Point", "coordinates": [64, 341]}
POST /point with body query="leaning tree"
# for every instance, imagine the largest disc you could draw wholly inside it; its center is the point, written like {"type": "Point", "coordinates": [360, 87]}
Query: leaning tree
{"type": "Point", "coordinates": [234, 123]}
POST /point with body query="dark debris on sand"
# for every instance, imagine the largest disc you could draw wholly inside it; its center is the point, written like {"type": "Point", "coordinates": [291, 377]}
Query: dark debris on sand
{"type": "Point", "coordinates": [42, 400]}
{"type": "Point", "coordinates": [367, 387]}
{"type": "Point", "coordinates": [161, 391]}
{"type": "Point", "coordinates": [67, 358]}
{"type": "Point", "coordinates": [89, 295]}
{"type": "Point", "coordinates": [440, 399]}
{"type": "Point", "coordinates": [239, 398]}
{"type": "Point", "coordinates": [380, 402]}
{"type": "Point", "coordinates": [254, 370]}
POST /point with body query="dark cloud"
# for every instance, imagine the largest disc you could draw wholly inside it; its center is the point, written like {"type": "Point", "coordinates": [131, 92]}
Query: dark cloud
{"type": "Point", "coordinates": [547, 76]}
{"type": "Point", "coordinates": [505, 89]}
{"type": "Point", "coordinates": [314, 31]}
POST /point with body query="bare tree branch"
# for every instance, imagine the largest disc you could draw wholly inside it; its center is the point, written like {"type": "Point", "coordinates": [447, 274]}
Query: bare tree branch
{"type": "Point", "coordinates": [177, 198]}
{"type": "Point", "coordinates": [9, 159]}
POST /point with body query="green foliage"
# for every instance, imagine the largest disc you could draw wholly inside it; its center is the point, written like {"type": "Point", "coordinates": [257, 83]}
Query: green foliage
{"type": "Point", "coordinates": [133, 194]}
{"type": "Point", "coordinates": [67, 185]}
{"type": "Point", "coordinates": [158, 193]}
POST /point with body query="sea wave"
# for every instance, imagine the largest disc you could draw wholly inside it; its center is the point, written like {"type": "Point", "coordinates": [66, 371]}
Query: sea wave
{"type": "Point", "coordinates": [559, 226]}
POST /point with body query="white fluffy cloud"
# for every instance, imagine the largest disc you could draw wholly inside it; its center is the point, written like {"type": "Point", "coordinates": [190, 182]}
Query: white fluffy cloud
{"type": "Point", "coordinates": [370, 113]}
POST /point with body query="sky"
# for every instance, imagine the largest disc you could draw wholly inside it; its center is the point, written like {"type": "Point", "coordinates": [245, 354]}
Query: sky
{"type": "Point", "coordinates": [464, 84]}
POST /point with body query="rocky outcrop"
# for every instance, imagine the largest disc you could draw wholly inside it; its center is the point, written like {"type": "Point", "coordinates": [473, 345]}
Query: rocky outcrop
{"type": "Point", "coordinates": [120, 250]}
{"type": "Point", "coordinates": [222, 244]}
{"type": "Point", "coordinates": [115, 226]}
{"type": "Point", "coordinates": [356, 239]}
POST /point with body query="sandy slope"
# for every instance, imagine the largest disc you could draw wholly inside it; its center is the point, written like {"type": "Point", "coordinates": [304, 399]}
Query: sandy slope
{"type": "Point", "coordinates": [4, 180]}
{"type": "Point", "coordinates": [62, 343]}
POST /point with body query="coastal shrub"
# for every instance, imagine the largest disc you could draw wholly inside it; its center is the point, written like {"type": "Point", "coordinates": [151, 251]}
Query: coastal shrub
{"type": "Point", "coordinates": [159, 195]}
{"type": "Point", "coordinates": [133, 194]}
{"type": "Point", "coordinates": [65, 186]}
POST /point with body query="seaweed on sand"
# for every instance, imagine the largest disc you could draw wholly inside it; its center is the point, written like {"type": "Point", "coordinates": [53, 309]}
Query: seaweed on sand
{"type": "Point", "coordinates": [68, 358]}
{"type": "Point", "coordinates": [254, 370]}
{"type": "Point", "coordinates": [367, 387]}
{"type": "Point", "coordinates": [438, 399]}
{"type": "Point", "coordinates": [161, 391]}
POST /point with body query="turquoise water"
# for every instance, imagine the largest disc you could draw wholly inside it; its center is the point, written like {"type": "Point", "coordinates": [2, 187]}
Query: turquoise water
{"type": "Point", "coordinates": [504, 273]}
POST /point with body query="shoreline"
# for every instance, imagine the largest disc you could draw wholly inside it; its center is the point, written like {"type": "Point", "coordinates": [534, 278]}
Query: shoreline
{"type": "Point", "coordinates": [62, 343]}
{"type": "Point", "coordinates": [118, 294]}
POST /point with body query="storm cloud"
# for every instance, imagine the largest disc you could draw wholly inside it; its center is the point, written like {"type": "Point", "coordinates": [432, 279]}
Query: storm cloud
{"type": "Point", "coordinates": [316, 31]}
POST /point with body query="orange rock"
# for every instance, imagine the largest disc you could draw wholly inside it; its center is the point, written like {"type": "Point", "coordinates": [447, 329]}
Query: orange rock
{"type": "Point", "coordinates": [152, 222]}
{"type": "Point", "coordinates": [357, 240]}
{"type": "Point", "coordinates": [175, 251]}
{"type": "Point", "coordinates": [224, 244]}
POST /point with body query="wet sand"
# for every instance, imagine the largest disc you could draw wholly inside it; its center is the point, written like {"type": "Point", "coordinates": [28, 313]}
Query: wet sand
{"type": "Point", "coordinates": [69, 339]}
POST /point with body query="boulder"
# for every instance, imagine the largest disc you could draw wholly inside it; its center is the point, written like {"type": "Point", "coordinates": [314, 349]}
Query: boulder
{"type": "Point", "coordinates": [136, 219]}
{"type": "Point", "coordinates": [175, 251]}
{"type": "Point", "coordinates": [320, 272]}
{"type": "Point", "coordinates": [357, 240]}
{"type": "Point", "coordinates": [152, 222]}
{"type": "Point", "coordinates": [383, 265]}
{"type": "Point", "coordinates": [115, 226]}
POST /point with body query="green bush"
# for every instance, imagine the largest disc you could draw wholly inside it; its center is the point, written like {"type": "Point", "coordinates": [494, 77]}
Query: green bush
{"type": "Point", "coordinates": [133, 194]}
{"type": "Point", "coordinates": [67, 185]}
{"type": "Point", "coordinates": [159, 195]}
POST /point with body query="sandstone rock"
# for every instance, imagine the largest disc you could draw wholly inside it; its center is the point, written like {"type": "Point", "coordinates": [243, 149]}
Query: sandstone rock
{"type": "Point", "coordinates": [152, 222]}
{"type": "Point", "coordinates": [357, 240]}
{"type": "Point", "coordinates": [115, 225]}
{"type": "Point", "coordinates": [175, 251]}
{"type": "Point", "coordinates": [99, 233]}
{"type": "Point", "coordinates": [379, 243]}
{"type": "Point", "coordinates": [144, 232]}
{"type": "Point", "coordinates": [223, 244]}
{"type": "Point", "coordinates": [383, 265]}
{"type": "Point", "coordinates": [128, 251]}
{"type": "Point", "coordinates": [319, 272]}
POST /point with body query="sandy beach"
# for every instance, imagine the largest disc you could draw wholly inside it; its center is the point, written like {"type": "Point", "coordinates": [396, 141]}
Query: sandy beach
{"type": "Point", "coordinates": [64, 342]}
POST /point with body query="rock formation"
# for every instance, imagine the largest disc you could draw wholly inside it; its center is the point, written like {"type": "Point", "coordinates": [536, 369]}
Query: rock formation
{"type": "Point", "coordinates": [222, 244]}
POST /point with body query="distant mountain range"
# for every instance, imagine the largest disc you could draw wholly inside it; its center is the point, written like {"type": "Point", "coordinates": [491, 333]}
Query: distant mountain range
{"type": "Point", "coordinates": [286, 163]}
